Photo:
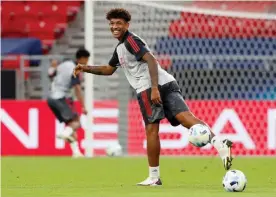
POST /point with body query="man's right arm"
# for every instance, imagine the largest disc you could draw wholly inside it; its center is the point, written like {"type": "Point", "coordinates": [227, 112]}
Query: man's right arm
{"type": "Point", "coordinates": [99, 70]}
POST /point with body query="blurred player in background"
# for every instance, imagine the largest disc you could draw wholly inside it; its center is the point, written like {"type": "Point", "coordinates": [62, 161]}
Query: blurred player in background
{"type": "Point", "coordinates": [158, 92]}
{"type": "Point", "coordinates": [60, 100]}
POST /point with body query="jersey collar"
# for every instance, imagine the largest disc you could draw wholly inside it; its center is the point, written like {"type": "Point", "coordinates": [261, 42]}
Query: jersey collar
{"type": "Point", "coordinates": [125, 36]}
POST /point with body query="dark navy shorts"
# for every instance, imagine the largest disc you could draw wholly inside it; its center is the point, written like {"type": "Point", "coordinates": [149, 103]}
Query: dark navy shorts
{"type": "Point", "coordinates": [63, 109]}
{"type": "Point", "coordinates": [172, 104]}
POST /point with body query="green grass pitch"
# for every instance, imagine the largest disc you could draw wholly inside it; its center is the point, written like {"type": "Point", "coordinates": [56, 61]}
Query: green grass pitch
{"type": "Point", "coordinates": [116, 177]}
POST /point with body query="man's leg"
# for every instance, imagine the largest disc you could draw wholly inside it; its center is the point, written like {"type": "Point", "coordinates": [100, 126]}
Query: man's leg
{"type": "Point", "coordinates": [153, 153]}
{"type": "Point", "coordinates": [177, 111]}
{"type": "Point", "coordinates": [152, 114]}
{"type": "Point", "coordinates": [72, 138]}
{"type": "Point", "coordinates": [64, 113]}
{"type": "Point", "coordinates": [187, 119]}
{"type": "Point", "coordinates": [153, 149]}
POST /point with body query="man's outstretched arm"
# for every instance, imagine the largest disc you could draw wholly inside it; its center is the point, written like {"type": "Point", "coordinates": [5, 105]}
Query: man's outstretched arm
{"type": "Point", "coordinates": [97, 70]}
{"type": "Point", "coordinates": [100, 70]}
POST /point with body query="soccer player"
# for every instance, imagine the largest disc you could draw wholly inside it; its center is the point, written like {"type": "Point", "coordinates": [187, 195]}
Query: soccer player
{"type": "Point", "coordinates": [60, 101]}
{"type": "Point", "coordinates": [158, 92]}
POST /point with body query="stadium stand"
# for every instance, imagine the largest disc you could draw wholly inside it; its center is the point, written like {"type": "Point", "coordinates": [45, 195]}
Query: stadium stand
{"type": "Point", "coordinates": [33, 28]}
{"type": "Point", "coordinates": [175, 34]}
{"type": "Point", "coordinates": [220, 36]}
{"type": "Point", "coordinates": [45, 20]}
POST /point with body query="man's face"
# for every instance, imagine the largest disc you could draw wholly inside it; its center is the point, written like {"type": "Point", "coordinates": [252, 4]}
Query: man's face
{"type": "Point", "coordinates": [118, 27]}
{"type": "Point", "coordinates": [83, 60]}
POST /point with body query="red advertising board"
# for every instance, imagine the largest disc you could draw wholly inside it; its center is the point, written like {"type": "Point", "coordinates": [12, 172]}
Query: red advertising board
{"type": "Point", "coordinates": [251, 125]}
{"type": "Point", "coordinates": [29, 128]}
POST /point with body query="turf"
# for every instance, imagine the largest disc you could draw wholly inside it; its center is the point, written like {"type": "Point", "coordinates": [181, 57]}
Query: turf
{"type": "Point", "coordinates": [116, 177]}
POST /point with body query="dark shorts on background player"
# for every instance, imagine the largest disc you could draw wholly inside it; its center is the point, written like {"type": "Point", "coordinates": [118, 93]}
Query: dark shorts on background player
{"type": "Point", "coordinates": [63, 109]}
{"type": "Point", "coordinates": [172, 104]}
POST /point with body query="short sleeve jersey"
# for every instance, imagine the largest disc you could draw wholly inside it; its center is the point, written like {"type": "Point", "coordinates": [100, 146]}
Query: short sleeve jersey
{"type": "Point", "coordinates": [128, 55]}
{"type": "Point", "coordinates": [63, 80]}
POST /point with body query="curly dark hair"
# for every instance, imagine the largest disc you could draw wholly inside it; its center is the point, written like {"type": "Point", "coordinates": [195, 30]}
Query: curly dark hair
{"type": "Point", "coordinates": [82, 52]}
{"type": "Point", "coordinates": [118, 13]}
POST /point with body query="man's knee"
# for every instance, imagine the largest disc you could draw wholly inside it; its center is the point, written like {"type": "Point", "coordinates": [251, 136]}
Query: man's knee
{"type": "Point", "coordinates": [152, 129]}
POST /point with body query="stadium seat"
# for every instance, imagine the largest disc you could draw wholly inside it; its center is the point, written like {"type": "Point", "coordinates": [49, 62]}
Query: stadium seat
{"type": "Point", "coordinates": [45, 31]}
{"type": "Point", "coordinates": [192, 25]}
{"type": "Point", "coordinates": [48, 10]}
{"type": "Point", "coordinates": [72, 8]}
{"type": "Point", "coordinates": [9, 7]}
{"type": "Point", "coordinates": [42, 30]}
{"type": "Point", "coordinates": [254, 6]}
{"type": "Point", "coordinates": [215, 46]}
{"type": "Point", "coordinates": [13, 28]}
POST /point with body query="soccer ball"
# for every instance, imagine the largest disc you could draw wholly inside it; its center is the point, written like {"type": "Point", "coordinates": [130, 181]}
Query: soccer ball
{"type": "Point", "coordinates": [199, 135]}
{"type": "Point", "coordinates": [234, 181]}
{"type": "Point", "coordinates": [114, 150]}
